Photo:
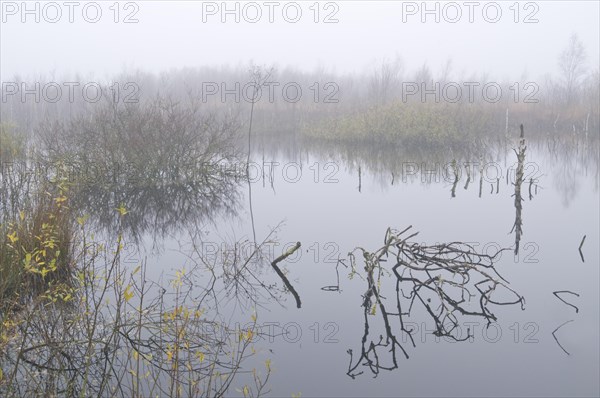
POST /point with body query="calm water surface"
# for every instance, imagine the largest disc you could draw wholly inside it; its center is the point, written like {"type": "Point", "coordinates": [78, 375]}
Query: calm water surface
{"type": "Point", "coordinates": [331, 207]}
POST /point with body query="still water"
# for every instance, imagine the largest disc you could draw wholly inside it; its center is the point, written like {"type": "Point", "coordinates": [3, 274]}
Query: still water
{"type": "Point", "coordinates": [335, 200]}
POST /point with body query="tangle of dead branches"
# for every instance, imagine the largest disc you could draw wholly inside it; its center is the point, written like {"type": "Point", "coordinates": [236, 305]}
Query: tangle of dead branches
{"type": "Point", "coordinates": [449, 282]}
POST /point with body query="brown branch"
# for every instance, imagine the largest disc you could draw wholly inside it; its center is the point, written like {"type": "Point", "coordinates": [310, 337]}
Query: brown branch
{"type": "Point", "coordinates": [283, 277]}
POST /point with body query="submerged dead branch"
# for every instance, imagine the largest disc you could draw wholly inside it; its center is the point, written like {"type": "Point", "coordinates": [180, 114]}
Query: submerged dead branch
{"type": "Point", "coordinates": [555, 339]}
{"type": "Point", "coordinates": [561, 299]}
{"type": "Point", "coordinates": [580, 246]}
{"type": "Point", "coordinates": [447, 281]}
{"type": "Point", "coordinates": [283, 277]}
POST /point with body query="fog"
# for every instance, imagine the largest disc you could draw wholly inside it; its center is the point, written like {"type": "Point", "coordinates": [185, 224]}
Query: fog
{"type": "Point", "coordinates": [173, 35]}
{"type": "Point", "coordinates": [328, 198]}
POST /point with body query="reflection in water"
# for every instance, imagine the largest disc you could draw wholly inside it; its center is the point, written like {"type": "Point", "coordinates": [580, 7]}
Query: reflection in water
{"type": "Point", "coordinates": [284, 279]}
{"type": "Point", "coordinates": [566, 159]}
{"type": "Point", "coordinates": [166, 162]}
{"type": "Point", "coordinates": [124, 334]}
{"type": "Point", "coordinates": [556, 339]}
{"type": "Point", "coordinates": [456, 178]}
{"type": "Point", "coordinates": [164, 167]}
{"type": "Point", "coordinates": [160, 207]}
{"type": "Point", "coordinates": [518, 225]}
{"type": "Point", "coordinates": [481, 180]}
{"type": "Point", "coordinates": [570, 159]}
{"type": "Point", "coordinates": [237, 273]}
{"type": "Point", "coordinates": [468, 178]}
{"type": "Point", "coordinates": [556, 293]}
{"type": "Point", "coordinates": [156, 206]}
{"type": "Point", "coordinates": [443, 280]}
{"type": "Point", "coordinates": [579, 249]}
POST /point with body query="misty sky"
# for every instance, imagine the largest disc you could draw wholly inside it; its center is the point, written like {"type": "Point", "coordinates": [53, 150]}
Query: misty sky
{"type": "Point", "coordinates": [172, 34]}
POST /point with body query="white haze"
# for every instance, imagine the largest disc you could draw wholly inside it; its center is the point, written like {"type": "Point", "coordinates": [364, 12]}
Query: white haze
{"type": "Point", "coordinates": [171, 34]}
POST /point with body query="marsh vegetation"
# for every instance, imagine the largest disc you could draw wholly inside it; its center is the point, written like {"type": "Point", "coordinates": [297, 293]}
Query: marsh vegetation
{"type": "Point", "coordinates": [128, 264]}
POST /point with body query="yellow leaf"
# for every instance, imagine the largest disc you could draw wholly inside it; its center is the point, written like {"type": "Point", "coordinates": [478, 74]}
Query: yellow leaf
{"type": "Point", "coordinates": [148, 357]}
{"type": "Point", "coordinates": [22, 215]}
{"type": "Point", "coordinates": [13, 237]}
{"type": "Point", "coordinates": [27, 260]}
{"type": "Point", "coordinates": [82, 220]}
{"type": "Point", "coordinates": [268, 364]}
{"type": "Point", "coordinates": [128, 294]}
{"type": "Point", "coordinates": [136, 270]}
{"type": "Point", "coordinates": [121, 209]}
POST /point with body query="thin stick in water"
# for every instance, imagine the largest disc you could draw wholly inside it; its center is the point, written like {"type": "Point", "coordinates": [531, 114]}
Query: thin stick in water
{"type": "Point", "coordinates": [555, 339]}
{"type": "Point", "coordinates": [561, 299]}
{"type": "Point", "coordinates": [283, 277]}
{"type": "Point", "coordinates": [580, 252]}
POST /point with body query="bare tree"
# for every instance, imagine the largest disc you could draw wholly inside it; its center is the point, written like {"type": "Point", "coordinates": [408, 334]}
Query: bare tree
{"type": "Point", "coordinates": [446, 71]}
{"type": "Point", "coordinates": [423, 75]}
{"type": "Point", "coordinates": [572, 66]}
{"type": "Point", "coordinates": [384, 80]}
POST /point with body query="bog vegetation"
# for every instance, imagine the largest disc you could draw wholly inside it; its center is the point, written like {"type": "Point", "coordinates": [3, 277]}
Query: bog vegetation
{"type": "Point", "coordinates": [80, 181]}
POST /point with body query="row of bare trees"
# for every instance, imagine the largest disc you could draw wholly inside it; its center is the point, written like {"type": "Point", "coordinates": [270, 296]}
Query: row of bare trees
{"type": "Point", "coordinates": [295, 100]}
